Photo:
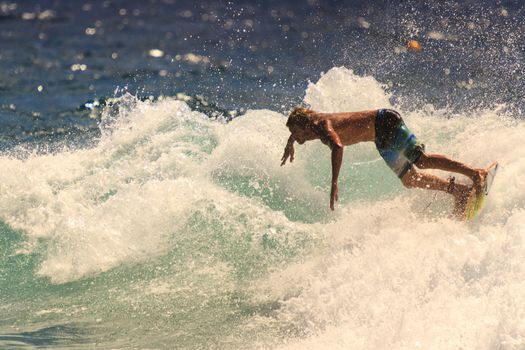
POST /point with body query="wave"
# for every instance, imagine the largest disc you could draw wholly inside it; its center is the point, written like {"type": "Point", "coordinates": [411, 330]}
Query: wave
{"type": "Point", "coordinates": [170, 205]}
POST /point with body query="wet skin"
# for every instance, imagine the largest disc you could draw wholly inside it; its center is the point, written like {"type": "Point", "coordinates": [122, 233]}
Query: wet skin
{"type": "Point", "coordinates": [343, 129]}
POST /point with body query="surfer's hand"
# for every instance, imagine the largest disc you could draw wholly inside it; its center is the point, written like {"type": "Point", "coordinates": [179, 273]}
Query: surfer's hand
{"type": "Point", "coordinates": [288, 152]}
{"type": "Point", "coordinates": [334, 195]}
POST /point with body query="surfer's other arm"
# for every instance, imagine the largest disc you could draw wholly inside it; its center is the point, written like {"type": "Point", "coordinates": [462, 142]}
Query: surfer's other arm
{"type": "Point", "coordinates": [305, 127]}
{"type": "Point", "coordinates": [288, 150]}
{"type": "Point", "coordinates": [337, 159]}
{"type": "Point", "coordinates": [330, 137]}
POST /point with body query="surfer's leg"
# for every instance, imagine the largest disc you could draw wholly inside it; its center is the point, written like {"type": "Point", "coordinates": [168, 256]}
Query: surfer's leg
{"type": "Point", "coordinates": [417, 179]}
{"type": "Point", "coordinates": [435, 161]}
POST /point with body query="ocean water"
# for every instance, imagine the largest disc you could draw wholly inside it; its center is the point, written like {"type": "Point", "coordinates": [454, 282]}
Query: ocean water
{"type": "Point", "coordinates": [168, 222]}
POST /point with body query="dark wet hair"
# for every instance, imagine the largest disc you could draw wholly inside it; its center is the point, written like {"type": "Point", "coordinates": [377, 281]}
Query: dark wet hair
{"type": "Point", "coordinates": [299, 116]}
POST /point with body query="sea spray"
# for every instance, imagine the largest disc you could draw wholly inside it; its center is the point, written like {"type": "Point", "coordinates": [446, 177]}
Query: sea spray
{"type": "Point", "coordinates": [190, 227]}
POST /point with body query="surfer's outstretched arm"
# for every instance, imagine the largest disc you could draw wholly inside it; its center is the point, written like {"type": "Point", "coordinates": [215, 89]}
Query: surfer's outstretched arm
{"type": "Point", "coordinates": [330, 137]}
{"type": "Point", "coordinates": [288, 150]}
{"type": "Point", "coordinates": [337, 159]}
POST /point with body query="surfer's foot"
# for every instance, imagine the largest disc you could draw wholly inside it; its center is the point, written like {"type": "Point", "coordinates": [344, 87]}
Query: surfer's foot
{"type": "Point", "coordinates": [479, 179]}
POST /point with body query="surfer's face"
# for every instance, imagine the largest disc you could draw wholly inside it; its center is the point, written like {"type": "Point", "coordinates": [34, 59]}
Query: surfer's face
{"type": "Point", "coordinates": [301, 135]}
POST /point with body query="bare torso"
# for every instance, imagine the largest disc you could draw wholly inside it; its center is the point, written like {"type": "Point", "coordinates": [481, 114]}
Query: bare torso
{"type": "Point", "coordinates": [351, 127]}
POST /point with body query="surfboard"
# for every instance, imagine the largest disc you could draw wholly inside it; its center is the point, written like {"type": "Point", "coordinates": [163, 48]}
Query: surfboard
{"type": "Point", "coordinates": [476, 200]}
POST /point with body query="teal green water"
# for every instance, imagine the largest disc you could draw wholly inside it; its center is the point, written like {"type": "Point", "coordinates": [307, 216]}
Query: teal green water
{"type": "Point", "coordinates": [197, 285]}
{"type": "Point", "coordinates": [177, 298]}
{"type": "Point", "coordinates": [177, 232]}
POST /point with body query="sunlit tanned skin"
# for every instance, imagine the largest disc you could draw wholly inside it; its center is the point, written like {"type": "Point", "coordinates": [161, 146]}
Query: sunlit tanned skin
{"type": "Point", "coordinates": [337, 130]}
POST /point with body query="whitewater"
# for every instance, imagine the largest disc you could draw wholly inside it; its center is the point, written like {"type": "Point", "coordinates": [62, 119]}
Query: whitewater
{"type": "Point", "coordinates": [179, 231]}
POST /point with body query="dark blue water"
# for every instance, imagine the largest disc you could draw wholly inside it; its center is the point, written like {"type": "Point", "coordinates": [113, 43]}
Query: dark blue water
{"type": "Point", "coordinates": [130, 224]}
{"type": "Point", "coordinates": [56, 55]}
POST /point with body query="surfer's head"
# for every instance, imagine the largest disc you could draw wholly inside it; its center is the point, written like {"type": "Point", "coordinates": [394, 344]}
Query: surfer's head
{"type": "Point", "coordinates": [300, 124]}
{"type": "Point", "coordinates": [299, 116]}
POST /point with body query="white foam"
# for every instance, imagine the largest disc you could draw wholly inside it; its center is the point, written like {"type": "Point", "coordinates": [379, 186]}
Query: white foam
{"type": "Point", "coordinates": [386, 273]}
{"type": "Point", "coordinates": [125, 199]}
{"type": "Point", "coordinates": [341, 90]}
{"type": "Point", "coordinates": [391, 278]}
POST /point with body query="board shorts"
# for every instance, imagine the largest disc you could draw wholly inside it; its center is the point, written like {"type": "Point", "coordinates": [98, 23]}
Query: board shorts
{"type": "Point", "coordinates": [396, 144]}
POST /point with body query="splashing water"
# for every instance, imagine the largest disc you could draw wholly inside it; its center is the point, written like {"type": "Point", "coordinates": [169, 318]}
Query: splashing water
{"type": "Point", "coordinates": [175, 229]}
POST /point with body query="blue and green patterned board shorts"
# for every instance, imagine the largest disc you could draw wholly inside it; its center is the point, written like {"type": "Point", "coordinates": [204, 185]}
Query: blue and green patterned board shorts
{"type": "Point", "coordinates": [397, 145]}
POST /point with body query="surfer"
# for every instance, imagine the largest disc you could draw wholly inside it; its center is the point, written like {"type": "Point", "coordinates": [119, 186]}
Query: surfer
{"type": "Point", "coordinates": [396, 144]}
